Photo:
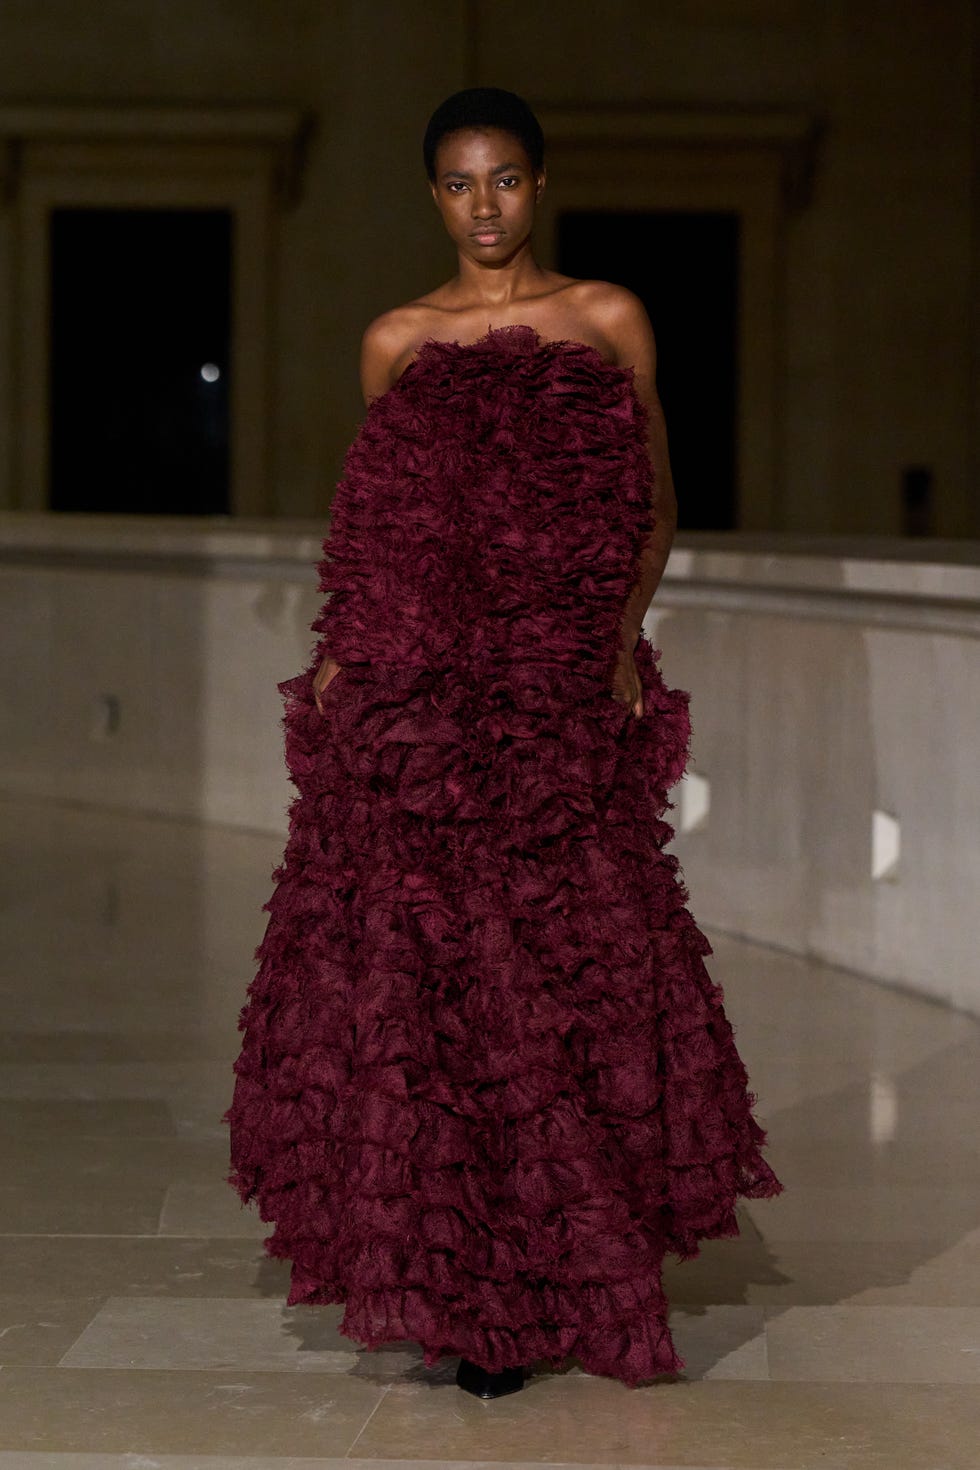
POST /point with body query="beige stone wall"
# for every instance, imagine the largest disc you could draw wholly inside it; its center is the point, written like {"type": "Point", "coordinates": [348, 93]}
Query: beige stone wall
{"type": "Point", "coordinates": [879, 339]}
{"type": "Point", "coordinates": [161, 697]}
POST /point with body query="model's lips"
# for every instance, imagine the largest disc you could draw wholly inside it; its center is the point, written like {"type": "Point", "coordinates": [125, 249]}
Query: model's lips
{"type": "Point", "coordinates": [487, 237]}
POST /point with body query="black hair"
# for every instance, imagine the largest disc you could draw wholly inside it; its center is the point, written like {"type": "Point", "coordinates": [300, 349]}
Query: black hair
{"type": "Point", "coordinates": [484, 107]}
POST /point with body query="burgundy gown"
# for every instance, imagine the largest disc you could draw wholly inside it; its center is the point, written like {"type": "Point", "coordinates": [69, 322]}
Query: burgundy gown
{"type": "Point", "coordinates": [486, 1081]}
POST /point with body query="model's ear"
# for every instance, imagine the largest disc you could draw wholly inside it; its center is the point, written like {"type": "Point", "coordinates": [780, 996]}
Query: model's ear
{"type": "Point", "coordinates": [542, 180]}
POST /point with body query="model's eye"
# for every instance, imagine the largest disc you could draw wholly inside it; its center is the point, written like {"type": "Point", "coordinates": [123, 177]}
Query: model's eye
{"type": "Point", "coordinates": [455, 186]}
{"type": "Point", "coordinates": [510, 179]}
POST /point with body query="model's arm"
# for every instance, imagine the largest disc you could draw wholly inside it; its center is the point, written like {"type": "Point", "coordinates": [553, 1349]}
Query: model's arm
{"type": "Point", "coordinates": [628, 327]}
{"type": "Point", "coordinates": [382, 348]}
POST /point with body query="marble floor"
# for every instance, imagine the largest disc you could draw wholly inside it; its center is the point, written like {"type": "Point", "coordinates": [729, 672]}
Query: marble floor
{"type": "Point", "coordinates": [141, 1326]}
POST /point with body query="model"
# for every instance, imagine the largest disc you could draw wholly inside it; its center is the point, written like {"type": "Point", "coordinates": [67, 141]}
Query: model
{"type": "Point", "coordinates": [486, 1082]}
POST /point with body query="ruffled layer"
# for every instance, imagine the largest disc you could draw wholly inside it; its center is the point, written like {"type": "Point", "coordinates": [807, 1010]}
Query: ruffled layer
{"type": "Point", "coordinates": [491, 510]}
{"type": "Point", "coordinates": [486, 1082]}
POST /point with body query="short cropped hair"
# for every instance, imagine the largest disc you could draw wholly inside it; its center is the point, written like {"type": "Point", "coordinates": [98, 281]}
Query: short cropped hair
{"type": "Point", "coordinates": [483, 107]}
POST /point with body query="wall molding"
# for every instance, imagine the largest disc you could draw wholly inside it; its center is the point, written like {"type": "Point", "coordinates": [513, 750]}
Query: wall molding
{"type": "Point", "coordinates": [787, 138]}
{"type": "Point", "coordinates": [280, 133]}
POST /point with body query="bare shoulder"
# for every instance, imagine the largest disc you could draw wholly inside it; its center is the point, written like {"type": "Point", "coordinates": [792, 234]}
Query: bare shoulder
{"type": "Point", "coordinates": [390, 341]}
{"type": "Point", "coordinates": [621, 318]}
{"type": "Point", "coordinates": [384, 342]}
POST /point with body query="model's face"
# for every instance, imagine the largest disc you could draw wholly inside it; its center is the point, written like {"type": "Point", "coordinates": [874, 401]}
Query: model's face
{"type": "Point", "coordinates": [486, 191]}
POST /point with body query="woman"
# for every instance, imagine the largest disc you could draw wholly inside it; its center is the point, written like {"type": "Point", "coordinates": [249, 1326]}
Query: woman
{"type": "Point", "coordinates": [486, 1082]}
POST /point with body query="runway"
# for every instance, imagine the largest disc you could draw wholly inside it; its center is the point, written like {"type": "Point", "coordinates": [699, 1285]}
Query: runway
{"type": "Point", "coordinates": [142, 1327]}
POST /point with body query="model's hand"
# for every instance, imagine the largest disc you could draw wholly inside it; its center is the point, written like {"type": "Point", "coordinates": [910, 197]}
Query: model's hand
{"type": "Point", "coordinates": [328, 670]}
{"type": "Point", "coordinates": [626, 685]}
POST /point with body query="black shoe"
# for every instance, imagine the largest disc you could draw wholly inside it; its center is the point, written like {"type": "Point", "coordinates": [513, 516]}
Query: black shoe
{"type": "Point", "coordinates": [488, 1385]}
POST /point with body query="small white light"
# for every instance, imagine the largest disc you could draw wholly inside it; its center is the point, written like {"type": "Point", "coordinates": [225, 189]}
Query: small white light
{"type": "Point", "coordinates": [882, 1109]}
{"type": "Point", "coordinates": [886, 846]}
{"type": "Point", "coordinates": [210, 372]}
{"type": "Point", "coordinates": [694, 801]}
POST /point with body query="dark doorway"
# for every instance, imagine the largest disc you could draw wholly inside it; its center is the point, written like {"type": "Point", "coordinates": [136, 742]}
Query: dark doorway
{"type": "Point", "coordinates": [684, 268]}
{"type": "Point", "coordinates": [140, 329]}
